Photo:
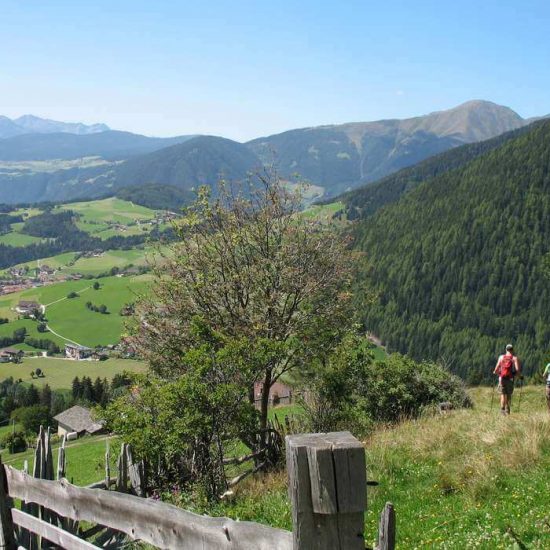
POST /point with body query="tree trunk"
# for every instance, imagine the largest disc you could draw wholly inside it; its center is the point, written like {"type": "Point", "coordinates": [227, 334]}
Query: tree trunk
{"type": "Point", "coordinates": [264, 404]}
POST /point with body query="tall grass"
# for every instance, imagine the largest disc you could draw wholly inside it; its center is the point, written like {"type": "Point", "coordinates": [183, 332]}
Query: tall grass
{"type": "Point", "coordinates": [470, 479]}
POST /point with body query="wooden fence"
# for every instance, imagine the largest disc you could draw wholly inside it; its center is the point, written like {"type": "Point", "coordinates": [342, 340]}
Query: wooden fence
{"type": "Point", "coordinates": [327, 489]}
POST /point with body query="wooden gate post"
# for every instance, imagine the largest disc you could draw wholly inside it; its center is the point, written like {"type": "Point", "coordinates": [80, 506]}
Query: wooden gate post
{"type": "Point", "coordinates": [328, 491]}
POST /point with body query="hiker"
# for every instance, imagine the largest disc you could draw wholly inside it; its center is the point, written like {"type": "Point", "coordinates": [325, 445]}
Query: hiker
{"type": "Point", "coordinates": [547, 374]}
{"type": "Point", "coordinates": [507, 368]}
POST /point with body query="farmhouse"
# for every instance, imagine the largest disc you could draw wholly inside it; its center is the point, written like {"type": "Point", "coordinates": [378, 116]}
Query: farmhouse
{"type": "Point", "coordinates": [279, 393]}
{"type": "Point", "coordinates": [77, 419]}
{"type": "Point", "coordinates": [74, 351]}
{"type": "Point", "coordinates": [11, 355]}
{"type": "Point", "coordinates": [27, 307]}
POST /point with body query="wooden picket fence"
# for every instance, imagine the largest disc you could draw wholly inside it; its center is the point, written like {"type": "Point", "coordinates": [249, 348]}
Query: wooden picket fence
{"type": "Point", "coordinates": [327, 489]}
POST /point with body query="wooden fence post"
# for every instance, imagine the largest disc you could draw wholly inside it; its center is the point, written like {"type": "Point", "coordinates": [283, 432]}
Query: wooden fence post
{"type": "Point", "coordinates": [7, 536]}
{"type": "Point", "coordinates": [328, 491]}
{"type": "Point", "coordinates": [386, 530]}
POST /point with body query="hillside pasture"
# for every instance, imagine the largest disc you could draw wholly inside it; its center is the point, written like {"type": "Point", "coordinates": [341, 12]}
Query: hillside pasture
{"type": "Point", "coordinates": [109, 210]}
{"type": "Point", "coordinates": [469, 479]}
{"type": "Point", "coordinates": [14, 238]}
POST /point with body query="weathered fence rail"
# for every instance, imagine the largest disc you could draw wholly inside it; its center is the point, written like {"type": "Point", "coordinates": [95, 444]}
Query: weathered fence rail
{"type": "Point", "coordinates": [327, 488]}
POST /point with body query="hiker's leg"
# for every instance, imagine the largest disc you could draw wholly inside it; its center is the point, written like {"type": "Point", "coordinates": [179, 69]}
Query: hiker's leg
{"type": "Point", "coordinates": [548, 397]}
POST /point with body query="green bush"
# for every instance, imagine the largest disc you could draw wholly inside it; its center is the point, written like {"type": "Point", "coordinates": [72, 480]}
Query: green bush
{"type": "Point", "coordinates": [14, 442]}
{"type": "Point", "coordinates": [352, 391]}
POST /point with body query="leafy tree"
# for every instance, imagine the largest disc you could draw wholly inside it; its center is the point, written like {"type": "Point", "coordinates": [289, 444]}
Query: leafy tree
{"type": "Point", "coordinates": [95, 286]}
{"type": "Point", "coordinates": [248, 266]}
{"type": "Point", "coordinates": [19, 335]}
{"type": "Point", "coordinates": [32, 417]}
{"type": "Point", "coordinates": [42, 327]}
{"type": "Point", "coordinates": [183, 425]}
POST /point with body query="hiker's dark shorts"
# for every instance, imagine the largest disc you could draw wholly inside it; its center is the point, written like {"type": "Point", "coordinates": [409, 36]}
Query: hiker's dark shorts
{"type": "Point", "coordinates": [548, 393]}
{"type": "Point", "coordinates": [506, 386]}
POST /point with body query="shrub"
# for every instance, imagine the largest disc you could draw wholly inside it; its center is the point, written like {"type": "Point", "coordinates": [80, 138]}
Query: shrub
{"type": "Point", "coordinates": [14, 442]}
{"type": "Point", "coordinates": [72, 295]}
{"type": "Point", "coordinates": [352, 390]}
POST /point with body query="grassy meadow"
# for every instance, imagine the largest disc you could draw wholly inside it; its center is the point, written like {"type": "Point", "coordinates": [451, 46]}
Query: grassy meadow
{"type": "Point", "coordinates": [70, 318]}
{"type": "Point", "coordinates": [97, 217]}
{"type": "Point", "coordinates": [85, 458]}
{"type": "Point", "coordinates": [470, 479]}
{"type": "Point", "coordinates": [59, 373]}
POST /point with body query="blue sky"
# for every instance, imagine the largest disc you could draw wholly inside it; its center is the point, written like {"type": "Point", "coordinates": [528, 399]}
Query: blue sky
{"type": "Point", "coordinates": [243, 69]}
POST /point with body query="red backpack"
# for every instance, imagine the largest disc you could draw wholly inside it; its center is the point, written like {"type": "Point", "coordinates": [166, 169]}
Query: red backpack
{"type": "Point", "coordinates": [507, 369]}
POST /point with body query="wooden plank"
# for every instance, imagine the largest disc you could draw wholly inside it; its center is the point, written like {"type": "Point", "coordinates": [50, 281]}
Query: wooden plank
{"type": "Point", "coordinates": [50, 532]}
{"type": "Point", "coordinates": [386, 530]}
{"type": "Point", "coordinates": [7, 535]}
{"type": "Point", "coordinates": [107, 465]}
{"type": "Point", "coordinates": [327, 488]}
{"type": "Point", "coordinates": [61, 459]}
{"type": "Point", "coordinates": [122, 476]}
{"type": "Point", "coordinates": [136, 473]}
{"type": "Point", "coordinates": [156, 523]}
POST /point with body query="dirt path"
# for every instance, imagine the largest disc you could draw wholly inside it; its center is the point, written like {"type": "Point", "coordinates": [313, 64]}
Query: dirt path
{"type": "Point", "coordinates": [45, 306]}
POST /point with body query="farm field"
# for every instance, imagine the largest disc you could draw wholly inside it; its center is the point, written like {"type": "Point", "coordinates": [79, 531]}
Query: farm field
{"type": "Point", "coordinates": [70, 318]}
{"type": "Point", "coordinates": [59, 373]}
{"type": "Point", "coordinates": [8, 329]}
{"type": "Point", "coordinates": [97, 217]}
{"type": "Point", "coordinates": [70, 262]}
{"type": "Point", "coordinates": [109, 210]}
{"type": "Point", "coordinates": [18, 239]}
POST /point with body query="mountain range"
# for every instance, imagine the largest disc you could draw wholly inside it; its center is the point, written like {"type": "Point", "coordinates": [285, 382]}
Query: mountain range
{"type": "Point", "coordinates": [334, 158]}
{"type": "Point", "coordinates": [30, 124]}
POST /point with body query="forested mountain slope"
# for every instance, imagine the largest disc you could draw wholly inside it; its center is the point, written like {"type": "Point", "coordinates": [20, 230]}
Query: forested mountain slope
{"type": "Point", "coordinates": [199, 161]}
{"type": "Point", "coordinates": [458, 262]}
{"type": "Point", "coordinates": [366, 200]}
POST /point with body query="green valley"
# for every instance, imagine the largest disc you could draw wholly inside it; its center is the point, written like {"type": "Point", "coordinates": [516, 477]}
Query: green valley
{"type": "Point", "coordinates": [68, 318]}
